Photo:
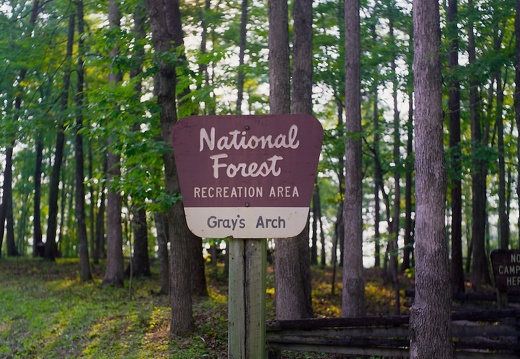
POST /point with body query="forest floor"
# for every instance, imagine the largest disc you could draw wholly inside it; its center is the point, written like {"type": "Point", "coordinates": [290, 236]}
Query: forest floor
{"type": "Point", "coordinates": [46, 312]}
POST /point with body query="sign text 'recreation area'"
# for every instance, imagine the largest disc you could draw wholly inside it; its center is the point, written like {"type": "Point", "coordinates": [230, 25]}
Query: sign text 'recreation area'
{"type": "Point", "coordinates": [247, 176]}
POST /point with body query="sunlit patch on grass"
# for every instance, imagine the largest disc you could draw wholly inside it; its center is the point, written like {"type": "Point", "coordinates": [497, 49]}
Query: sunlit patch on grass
{"type": "Point", "coordinates": [217, 294]}
{"type": "Point", "coordinates": [158, 319]}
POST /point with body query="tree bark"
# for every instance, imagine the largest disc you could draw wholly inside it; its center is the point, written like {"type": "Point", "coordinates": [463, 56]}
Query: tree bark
{"type": "Point", "coordinates": [315, 219]}
{"type": "Point", "coordinates": [140, 265]}
{"type": "Point", "coordinates": [516, 95]}
{"type": "Point", "coordinates": [7, 204]}
{"type": "Point", "coordinates": [430, 318]}
{"type": "Point", "coordinates": [198, 273]}
{"type": "Point", "coordinates": [99, 247]}
{"type": "Point", "coordinates": [180, 237]}
{"type": "Point", "coordinates": [37, 224]}
{"type": "Point", "coordinates": [85, 273]}
{"type": "Point", "coordinates": [378, 176]}
{"type": "Point", "coordinates": [114, 274]}
{"type": "Point", "coordinates": [503, 216]}
{"type": "Point", "coordinates": [292, 261]}
{"type": "Point", "coordinates": [395, 223]}
{"type": "Point", "coordinates": [479, 268]}
{"type": "Point", "coordinates": [279, 66]}
{"type": "Point", "coordinates": [241, 56]}
{"type": "Point", "coordinates": [353, 294]}
{"type": "Point", "coordinates": [140, 261]}
{"type": "Point", "coordinates": [209, 101]}
{"type": "Point", "coordinates": [408, 224]}
{"type": "Point", "coordinates": [457, 272]}
{"type": "Point", "coordinates": [161, 225]}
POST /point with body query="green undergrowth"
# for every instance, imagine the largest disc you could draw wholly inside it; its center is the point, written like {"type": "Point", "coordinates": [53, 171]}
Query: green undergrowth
{"type": "Point", "coordinates": [46, 312]}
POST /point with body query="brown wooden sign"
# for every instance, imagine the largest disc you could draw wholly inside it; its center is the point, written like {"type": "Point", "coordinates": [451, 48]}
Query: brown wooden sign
{"type": "Point", "coordinates": [247, 176]}
{"type": "Point", "coordinates": [506, 268]}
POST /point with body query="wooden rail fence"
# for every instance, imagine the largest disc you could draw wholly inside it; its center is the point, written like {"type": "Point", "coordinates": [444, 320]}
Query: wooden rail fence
{"type": "Point", "coordinates": [476, 334]}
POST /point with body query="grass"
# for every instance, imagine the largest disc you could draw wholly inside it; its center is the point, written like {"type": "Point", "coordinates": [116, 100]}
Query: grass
{"type": "Point", "coordinates": [46, 312]}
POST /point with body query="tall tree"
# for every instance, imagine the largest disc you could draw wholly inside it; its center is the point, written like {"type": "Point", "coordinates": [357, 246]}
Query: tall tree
{"type": "Point", "coordinates": [302, 103]}
{"type": "Point", "coordinates": [291, 292]}
{"type": "Point", "coordinates": [516, 95]}
{"type": "Point", "coordinates": [395, 225]}
{"type": "Point", "coordinates": [84, 263]}
{"type": "Point", "coordinates": [378, 176]}
{"type": "Point", "coordinates": [37, 225]}
{"type": "Point", "coordinates": [408, 224]}
{"type": "Point", "coordinates": [479, 268]}
{"type": "Point", "coordinates": [6, 215]}
{"type": "Point", "coordinates": [430, 317]}
{"type": "Point", "coordinates": [140, 261]}
{"type": "Point", "coordinates": [316, 214]}
{"type": "Point", "coordinates": [457, 272]}
{"type": "Point", "coordinates": [114, 274]}
{"type": "Point", "coordinates": [503, 216]}
{"type": "Point", "coordinates": [241, 56]}
{"type": "Point", "coordinates": [99, 247]}
{"type": "Point", "coordinates": [353, 294]}
{"type": "Point", "coordinates": [163, 18]}
{"type": "Point", "coordinates": [161, 224]}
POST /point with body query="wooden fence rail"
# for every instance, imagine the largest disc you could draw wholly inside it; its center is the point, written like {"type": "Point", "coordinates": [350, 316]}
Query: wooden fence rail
{"type": "Point", "coordinates": [476, 334]}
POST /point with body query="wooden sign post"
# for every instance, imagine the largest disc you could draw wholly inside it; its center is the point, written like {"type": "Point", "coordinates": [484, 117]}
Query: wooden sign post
{"type": "Point", "coordinates": [246, 298]}
{"type": "Point", "coordinates": [247, 178]}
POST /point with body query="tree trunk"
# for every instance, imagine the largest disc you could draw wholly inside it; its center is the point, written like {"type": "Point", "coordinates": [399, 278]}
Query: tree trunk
{"type": "Point", "coordinates": [315, 220]}
{"type": "Point", "coordinates": [279, 66]}
{"type": "Point", "coordinates": [7, 204]}
{"type": "Point", "coordinates": [503, 216]}
{"type": "Point", "coordinates": [2, 225]}
{"type": "Point", "coordinates": [99, 247]}
{"type": "Point", "coordinates": [198, 272]}
{"type": "Point", "coordinates": [339, 228]}
{"type": "Point", "coordinates": [353, 295]}
{"type": "Point", "coordinates": [93, 201]}
{"type": "Point", "coordinates": [161, 226]}
{"type": "Point", "coordinates": [292, 262]}
{"type": "Point", "coordinates": [140, 265]}
{"type": "Point", "coordinates": [516, 98]}
{"type": "Point", "coordinates": [114, 274]}
{"type": "Point", "coordinates": [84, 262]}
{"type": "Point", "coordinates": [241, 56]}
{"type": "Point", "coordinates": [395, 224]}
{"type": "Point", "coordinates": [37, 225]}
{"type": "Point", "coordinates": [209, 102]}
{"type": "Point", "coordinates": [378, 178]}
{"type": "Point", "coordinates": [408, 224]}
{"type": "Point", "coordinates": [302, 103]}
{"type": "Point", "coordinates": [430, 317]}
{"type": "Point", "coordinates": [179, 234]}
{"type": "Point", "coordinates": [186, 106]}
{"type": "Point", "coordinates": [479, 268]}
{"type": "Point", "coordinates": [323, 255]}
{"type": "Point", "coordinates": [457, 272]}
{"type": "Point", "coordinates": [140, 261]}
